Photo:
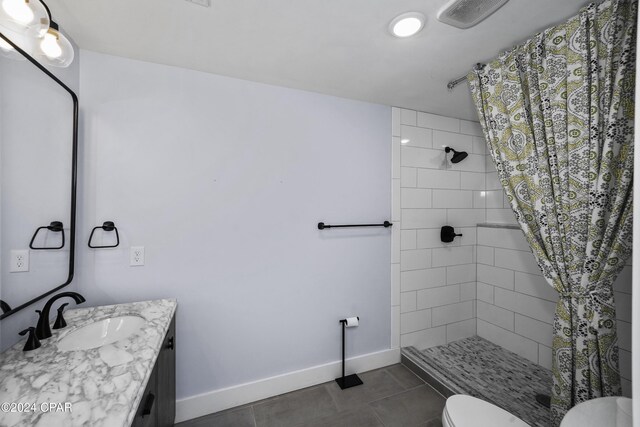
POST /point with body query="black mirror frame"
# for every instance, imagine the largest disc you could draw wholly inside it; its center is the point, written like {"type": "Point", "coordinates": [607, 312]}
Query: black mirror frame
{"type": "Point", "coordinates": [74, 180]}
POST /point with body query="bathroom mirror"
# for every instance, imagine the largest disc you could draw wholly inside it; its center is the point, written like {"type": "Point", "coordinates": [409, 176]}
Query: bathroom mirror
{"type": "Point", "coordinates": [38, 160]}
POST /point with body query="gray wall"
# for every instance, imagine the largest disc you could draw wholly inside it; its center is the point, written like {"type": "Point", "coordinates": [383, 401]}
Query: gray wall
{"type": "Point", "coordinates": [223, 182]}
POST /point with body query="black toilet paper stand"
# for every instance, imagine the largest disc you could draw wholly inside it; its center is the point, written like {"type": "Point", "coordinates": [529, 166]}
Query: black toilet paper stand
{"type": "Point", "coordinates": [349, 380]}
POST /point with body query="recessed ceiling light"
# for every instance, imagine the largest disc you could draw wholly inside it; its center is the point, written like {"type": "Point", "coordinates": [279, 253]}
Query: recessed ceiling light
{"type": "Point", "coordinates": [407, 24]}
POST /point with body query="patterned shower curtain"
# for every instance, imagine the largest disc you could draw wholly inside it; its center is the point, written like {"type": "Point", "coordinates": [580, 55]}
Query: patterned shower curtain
{"type": "Point", "coordinates": [557, 113]}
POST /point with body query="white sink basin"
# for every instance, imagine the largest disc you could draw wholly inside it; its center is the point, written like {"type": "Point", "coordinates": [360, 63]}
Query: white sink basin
{"type": "Point", "coordinates": [101, 333]}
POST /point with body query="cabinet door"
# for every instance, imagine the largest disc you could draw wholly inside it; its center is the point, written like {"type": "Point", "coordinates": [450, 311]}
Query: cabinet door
{"type": "Point", "coordinates": [146, 416]}
{"type": "Point", "coordinates": [167, 378]}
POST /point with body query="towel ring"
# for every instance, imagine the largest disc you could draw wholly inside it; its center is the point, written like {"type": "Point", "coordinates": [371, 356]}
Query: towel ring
{"type": "Point", "coordinates": [56, 227]}
{"type": "Point", "coordinates": [106, 226]}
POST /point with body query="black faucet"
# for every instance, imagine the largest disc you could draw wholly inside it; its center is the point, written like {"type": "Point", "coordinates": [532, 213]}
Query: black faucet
{"type": "Point", "coordinates": [43, 329]}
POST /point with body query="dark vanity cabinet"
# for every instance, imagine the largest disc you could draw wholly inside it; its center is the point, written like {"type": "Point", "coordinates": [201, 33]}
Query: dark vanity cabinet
{"type": "Point", "coordinates": [166, 378]}
{"type": "Point", "coordinates": [158, 405]}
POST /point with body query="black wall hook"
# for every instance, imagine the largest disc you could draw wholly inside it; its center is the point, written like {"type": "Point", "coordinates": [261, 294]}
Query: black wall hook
{"type": "Point", "coordinates": [106, 226]}
{"type": "Point", "coordinates": [56, 227]}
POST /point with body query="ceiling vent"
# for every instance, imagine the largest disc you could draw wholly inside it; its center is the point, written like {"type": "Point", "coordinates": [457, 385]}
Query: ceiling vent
{"type": "Point", "coordinates": [467, 13]}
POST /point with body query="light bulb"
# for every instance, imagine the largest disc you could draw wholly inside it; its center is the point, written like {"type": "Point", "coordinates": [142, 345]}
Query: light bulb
{"type": "Point", "coordinates": [5, 46]}
{"type": "Point", "coordinates": [407, 27]}
{"type": "Point", "coordinates": [50, 46]}
{"type": "Point", "coordinates": [407, 24]}
{"type": "Point", "coordinates": [54, 48]}
{"type": "Point", "coordinates": [18, 10]}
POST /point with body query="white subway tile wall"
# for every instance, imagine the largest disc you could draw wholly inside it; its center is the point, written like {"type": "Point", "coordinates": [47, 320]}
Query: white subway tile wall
{"type": "Point", "coordinates": [472, 181]}
{"type": "Point", "coordinates": [437, 290]}
{"type": "Point", "coordinates": [412, 136]}
{"type": "Point", "coordinates": [422, 279]}
{"type": "Point", "coordinates": [487, 281]}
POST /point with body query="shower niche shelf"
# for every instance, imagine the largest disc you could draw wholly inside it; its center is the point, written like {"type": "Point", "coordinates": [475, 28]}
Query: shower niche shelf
{"type": "Point", "coordinates": [498, 225]}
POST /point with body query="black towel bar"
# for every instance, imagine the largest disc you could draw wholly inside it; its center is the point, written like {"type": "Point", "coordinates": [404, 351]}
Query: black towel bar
{"type": "Point", "coordinates": [322, 225]}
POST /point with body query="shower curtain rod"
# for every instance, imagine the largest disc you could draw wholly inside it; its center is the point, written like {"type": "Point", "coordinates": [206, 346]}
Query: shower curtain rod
{"type": "Point", "coordinates": [453, 83]}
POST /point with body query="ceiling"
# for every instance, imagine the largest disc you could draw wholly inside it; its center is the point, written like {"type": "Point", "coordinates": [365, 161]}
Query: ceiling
{"type": "Point", "coordinates": [336, 47]}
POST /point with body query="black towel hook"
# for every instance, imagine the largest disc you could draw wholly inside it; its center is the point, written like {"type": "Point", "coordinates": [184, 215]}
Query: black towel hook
{"type": "Point", "coordinates": [56, 227]}
{"type": "Point", "coordinates": [106, 226]}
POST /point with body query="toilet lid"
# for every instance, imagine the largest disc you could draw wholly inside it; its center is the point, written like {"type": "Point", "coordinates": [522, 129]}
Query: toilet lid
{"type": "Point", "coordinates": [468, 411]}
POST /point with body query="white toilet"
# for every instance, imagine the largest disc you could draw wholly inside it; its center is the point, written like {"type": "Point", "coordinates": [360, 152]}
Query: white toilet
{"type": "Point", "coordinates": [467, 411]}
{"type": "Point", "coordinates": [603, 411]}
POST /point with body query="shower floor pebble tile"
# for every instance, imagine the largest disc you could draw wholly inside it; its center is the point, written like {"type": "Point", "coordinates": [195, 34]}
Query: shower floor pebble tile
{"type": "Point", "coordinates": [391, 396]}
{"type": "Point", "coordinates": [479, 368]}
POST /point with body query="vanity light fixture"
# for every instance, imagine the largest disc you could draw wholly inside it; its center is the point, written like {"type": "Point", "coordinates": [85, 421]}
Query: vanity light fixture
{"type": "Point", "coordinates": [27, 17]}
{"type": "Point", "coordinates": [407, 24]}
{"type": "Point", "coordinates": [28, 24]}
{"type": "Point", "coordinates": [18, 10]}
{"type": "Point", "coordinates": [54, 48]}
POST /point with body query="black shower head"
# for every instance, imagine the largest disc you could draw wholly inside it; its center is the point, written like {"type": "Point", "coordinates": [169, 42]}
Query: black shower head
{"type": "Point", "coordinates": [458, 156]}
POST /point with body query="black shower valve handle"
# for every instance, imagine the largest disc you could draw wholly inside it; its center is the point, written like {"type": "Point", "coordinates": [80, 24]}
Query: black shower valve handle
{"type": "Point", "coordinates": [447, 234]}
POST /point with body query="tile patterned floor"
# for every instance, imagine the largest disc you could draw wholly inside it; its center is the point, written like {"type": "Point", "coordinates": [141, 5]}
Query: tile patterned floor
{"type": "Point", "coordinates": [390, 397]}
{"type": "Point", "coordinates": [482, 369]}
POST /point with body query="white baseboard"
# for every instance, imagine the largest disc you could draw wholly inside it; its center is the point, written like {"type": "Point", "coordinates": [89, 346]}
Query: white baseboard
{"type": "Point", "coordinates": [219, 400]}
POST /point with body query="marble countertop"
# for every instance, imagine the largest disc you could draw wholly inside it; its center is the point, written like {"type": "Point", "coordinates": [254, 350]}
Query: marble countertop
{"type": "Point", "coordinates": [103, 385]}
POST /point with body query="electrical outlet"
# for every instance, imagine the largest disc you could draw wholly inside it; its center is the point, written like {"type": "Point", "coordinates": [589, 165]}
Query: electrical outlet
{"type": "Point", "coordinates": [136, 256]}
{"type": "Point", "coordinates": [19, 261]}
